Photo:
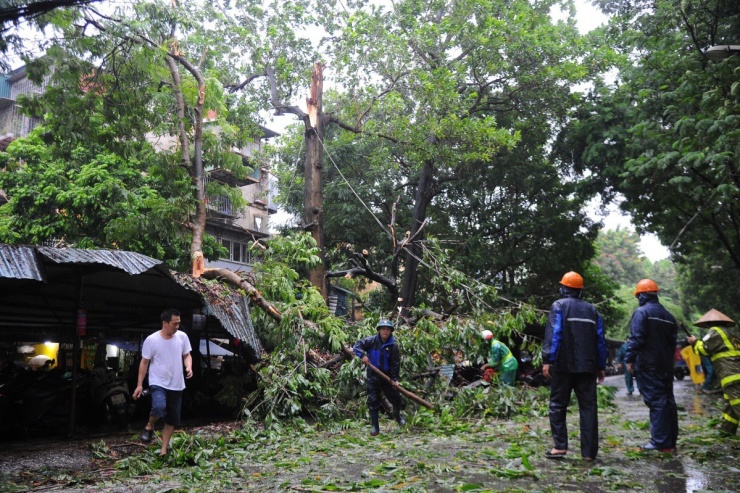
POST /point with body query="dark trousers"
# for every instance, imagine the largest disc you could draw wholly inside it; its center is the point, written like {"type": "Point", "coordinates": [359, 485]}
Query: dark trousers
{"type": "Point", "coordinates": [708, 373]}
{"type": "Point", "coordinates": [657, 394]}
{"type": "Point", "coordinates": [374, 387]}
{"type": "Point", "coordinates": [584, 385]}
{"type": "Point", "coordinates": [629, 379]}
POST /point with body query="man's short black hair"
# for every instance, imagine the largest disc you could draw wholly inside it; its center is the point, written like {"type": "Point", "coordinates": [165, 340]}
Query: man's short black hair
{"type": "Point", "coordinates": [168, 314]}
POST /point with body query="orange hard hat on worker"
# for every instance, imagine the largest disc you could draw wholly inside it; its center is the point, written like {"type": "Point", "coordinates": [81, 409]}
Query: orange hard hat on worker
{"type": "Point", "coordinates": [572, 280]}
{"type": "Point", "coordinates": [646, 286]}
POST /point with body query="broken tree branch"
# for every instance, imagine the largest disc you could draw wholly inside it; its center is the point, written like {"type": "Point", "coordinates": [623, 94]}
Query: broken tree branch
{"type": "Point", "coordinates": [234, 279]}
{"type": "Point", "coordinates": [362, 267]}
{"type": "Point", "coordinates": [385, 377]}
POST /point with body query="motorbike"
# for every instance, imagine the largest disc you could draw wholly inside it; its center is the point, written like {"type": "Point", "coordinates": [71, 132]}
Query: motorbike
{"type": "Point", "coordinates": [111, 397]}
{"type": "Point", "coordinates": [533, 377]}
{"type": "Point", "coordinates": [38, 402]}
{"type": "Point", "coordinates": [680, 368]}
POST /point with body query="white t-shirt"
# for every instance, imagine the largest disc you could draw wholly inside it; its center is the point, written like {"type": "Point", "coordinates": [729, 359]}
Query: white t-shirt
{"type": "Point", "coordinates": [165, 359]}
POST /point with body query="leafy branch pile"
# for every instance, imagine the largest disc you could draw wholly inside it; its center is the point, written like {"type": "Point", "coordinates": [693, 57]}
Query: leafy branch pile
{"type": "Point", "coordinates": [296, 382]}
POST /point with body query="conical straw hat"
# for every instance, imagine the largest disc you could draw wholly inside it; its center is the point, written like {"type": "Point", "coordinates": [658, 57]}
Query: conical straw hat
{"type": "Point", "coordinates": [713, 316]}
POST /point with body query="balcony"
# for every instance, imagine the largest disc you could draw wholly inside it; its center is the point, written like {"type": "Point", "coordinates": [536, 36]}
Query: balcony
{"type": "Point", "coordinates": [228, 178]}
{"type": "Point", "coordinates": [221, 206]}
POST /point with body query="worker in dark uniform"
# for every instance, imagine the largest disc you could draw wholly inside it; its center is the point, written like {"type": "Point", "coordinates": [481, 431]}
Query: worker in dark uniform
{"type": "Point", "coordinates": [650, 355]}
{"type": "Point", "coordinates": [574, 357]}
{"type": "Point", "coordinates": [382, 352]}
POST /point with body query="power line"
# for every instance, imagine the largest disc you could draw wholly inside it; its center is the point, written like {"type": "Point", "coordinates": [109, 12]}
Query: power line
{"type": "Point", "coordinates": [409, 252]}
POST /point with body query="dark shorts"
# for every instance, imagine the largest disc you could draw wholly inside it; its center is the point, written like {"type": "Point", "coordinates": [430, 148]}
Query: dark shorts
{"type": "Point", "coordinates": [166, 404]}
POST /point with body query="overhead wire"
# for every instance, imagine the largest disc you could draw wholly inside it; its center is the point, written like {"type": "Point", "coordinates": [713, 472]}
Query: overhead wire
{"type": "Point", "coordinates": [409, 252]}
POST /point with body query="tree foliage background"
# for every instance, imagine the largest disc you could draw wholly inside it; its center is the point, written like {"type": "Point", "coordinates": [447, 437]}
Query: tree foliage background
{"type": "Point", "coordinates": [665, 135]}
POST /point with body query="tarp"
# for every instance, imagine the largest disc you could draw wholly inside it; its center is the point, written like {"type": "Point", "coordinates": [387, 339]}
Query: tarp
{"type": "Point", "coordinates": [214, 348]}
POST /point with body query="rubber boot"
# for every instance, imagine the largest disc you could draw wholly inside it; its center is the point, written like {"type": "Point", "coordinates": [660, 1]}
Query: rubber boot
{"type": "Point", "coordinates": [399, 419]}
{"type": "Point", "coordinates": [376, 426]}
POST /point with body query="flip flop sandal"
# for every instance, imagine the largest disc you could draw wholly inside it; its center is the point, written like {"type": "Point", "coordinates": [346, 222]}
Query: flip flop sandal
{"type": "Point", "coordinates": [557, 455]}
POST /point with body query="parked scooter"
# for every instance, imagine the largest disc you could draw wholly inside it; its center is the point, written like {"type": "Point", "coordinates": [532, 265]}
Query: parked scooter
{"type": "Point", "coordinates": [35, 402]}
{"type": "Point", "coordinates": [680, 368]}
{"type": "Point", "coordinates": [111, 397]}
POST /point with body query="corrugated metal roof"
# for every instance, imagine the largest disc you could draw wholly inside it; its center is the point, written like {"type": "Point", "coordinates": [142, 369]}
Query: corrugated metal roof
{"type": "Point", "coordinates": [233, 313]}
{"type": "Point", "coordinates": [19, 262]}
{"type": "Point", "coordinates": [129, 262]}
{"type": "Point", "coordinates": [229, 306]}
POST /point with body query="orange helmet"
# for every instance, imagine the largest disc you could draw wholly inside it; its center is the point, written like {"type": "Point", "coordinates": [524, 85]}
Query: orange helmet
{"type": "Point", "coordinates": [572, 280]}
{"type": "Point", "coordinates": [646, 286]}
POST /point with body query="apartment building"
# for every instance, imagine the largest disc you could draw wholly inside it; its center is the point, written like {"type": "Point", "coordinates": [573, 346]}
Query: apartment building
{"type": "Point", "coordinates": [12, 123]}
{"type": "Point", "coordinates": [236, 229]}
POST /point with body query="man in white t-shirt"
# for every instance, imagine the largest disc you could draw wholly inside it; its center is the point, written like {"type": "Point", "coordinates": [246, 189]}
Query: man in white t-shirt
{"type": "Point", "coordinates": [164, 355]}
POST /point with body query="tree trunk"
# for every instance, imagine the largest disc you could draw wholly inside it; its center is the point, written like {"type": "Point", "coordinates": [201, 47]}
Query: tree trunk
{"type": "Point", "coordinates": [195, 167]}
{"type": "Point", "coordinates": [233, 278]}
{"type": "Point", "coordinates": [313, 214]}
{"type": "Point", "coordinates": [422, 199]}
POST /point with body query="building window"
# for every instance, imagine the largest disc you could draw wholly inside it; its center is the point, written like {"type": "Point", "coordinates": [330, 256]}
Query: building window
{"type": "Point", "coordinates": [258, 224]}
{"type": "Point", "coordinates": [238, 251]}
{"type": "Point", "coordinates": [227, 245]}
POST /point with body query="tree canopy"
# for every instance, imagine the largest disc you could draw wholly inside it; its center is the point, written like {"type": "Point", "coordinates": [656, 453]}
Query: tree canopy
{"type": "Point", "coordinates": [451, 106]}
{"type": "Point", "coordinates": [665, 135]}
{"type": "Point", "coordinates": [456, 122]}
{"type": "Point", "coordinates": [620, 256]}
{"type": "Point", "coordinates": [135, 110]}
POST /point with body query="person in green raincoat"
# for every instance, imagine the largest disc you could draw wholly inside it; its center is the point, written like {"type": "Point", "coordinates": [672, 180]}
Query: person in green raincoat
{"type": "Point", "coordinates": [722, 345]}
{"type": "Point", "coordinates": [500, 359]}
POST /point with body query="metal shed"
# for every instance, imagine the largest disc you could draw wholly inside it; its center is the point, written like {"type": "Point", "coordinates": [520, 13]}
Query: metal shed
{"type": "Point", "coordinates": [42, 290]}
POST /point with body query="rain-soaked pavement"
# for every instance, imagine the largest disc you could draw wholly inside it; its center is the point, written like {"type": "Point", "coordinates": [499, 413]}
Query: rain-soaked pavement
{"type": "Point", "coordinates": [701, 464]}
{"type": "Point", "coordinates": [705, 462]}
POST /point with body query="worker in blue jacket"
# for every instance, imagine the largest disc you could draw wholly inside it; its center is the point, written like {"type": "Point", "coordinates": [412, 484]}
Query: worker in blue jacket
{"type": "Point", "coordinates": [574, 357]}
{"type": "Point", "coordinates": [629, 380]}
{"type": "Point", "coordinates": [382, 352]}
{"type": "Point", "coordinates": [650, 354]}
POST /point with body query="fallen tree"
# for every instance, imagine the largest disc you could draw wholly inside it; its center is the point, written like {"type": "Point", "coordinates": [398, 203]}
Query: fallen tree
{"type": "Point", "coordinates": [238, 282]}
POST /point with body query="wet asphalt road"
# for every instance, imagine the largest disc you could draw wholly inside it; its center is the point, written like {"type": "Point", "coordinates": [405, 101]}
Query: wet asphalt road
{"type": "Point", "coordinates": [698, 466]}
{"type": "Point", "coordinates": [704, 462]}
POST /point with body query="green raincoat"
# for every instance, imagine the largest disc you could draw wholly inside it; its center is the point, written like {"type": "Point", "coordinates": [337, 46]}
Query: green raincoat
{"type": "Point", "coordinates": [503, 361]}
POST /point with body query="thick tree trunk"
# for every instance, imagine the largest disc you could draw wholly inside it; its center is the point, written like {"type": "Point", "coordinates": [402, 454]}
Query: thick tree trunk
{"type": "Point", "coordinates": [422, 199]}
{"type": "Point", "coordinates": [313, 198]}
{"type": "Point", "coordinates": [199, 228]}
{"type": "Point", "coordinates": [195, 166]}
